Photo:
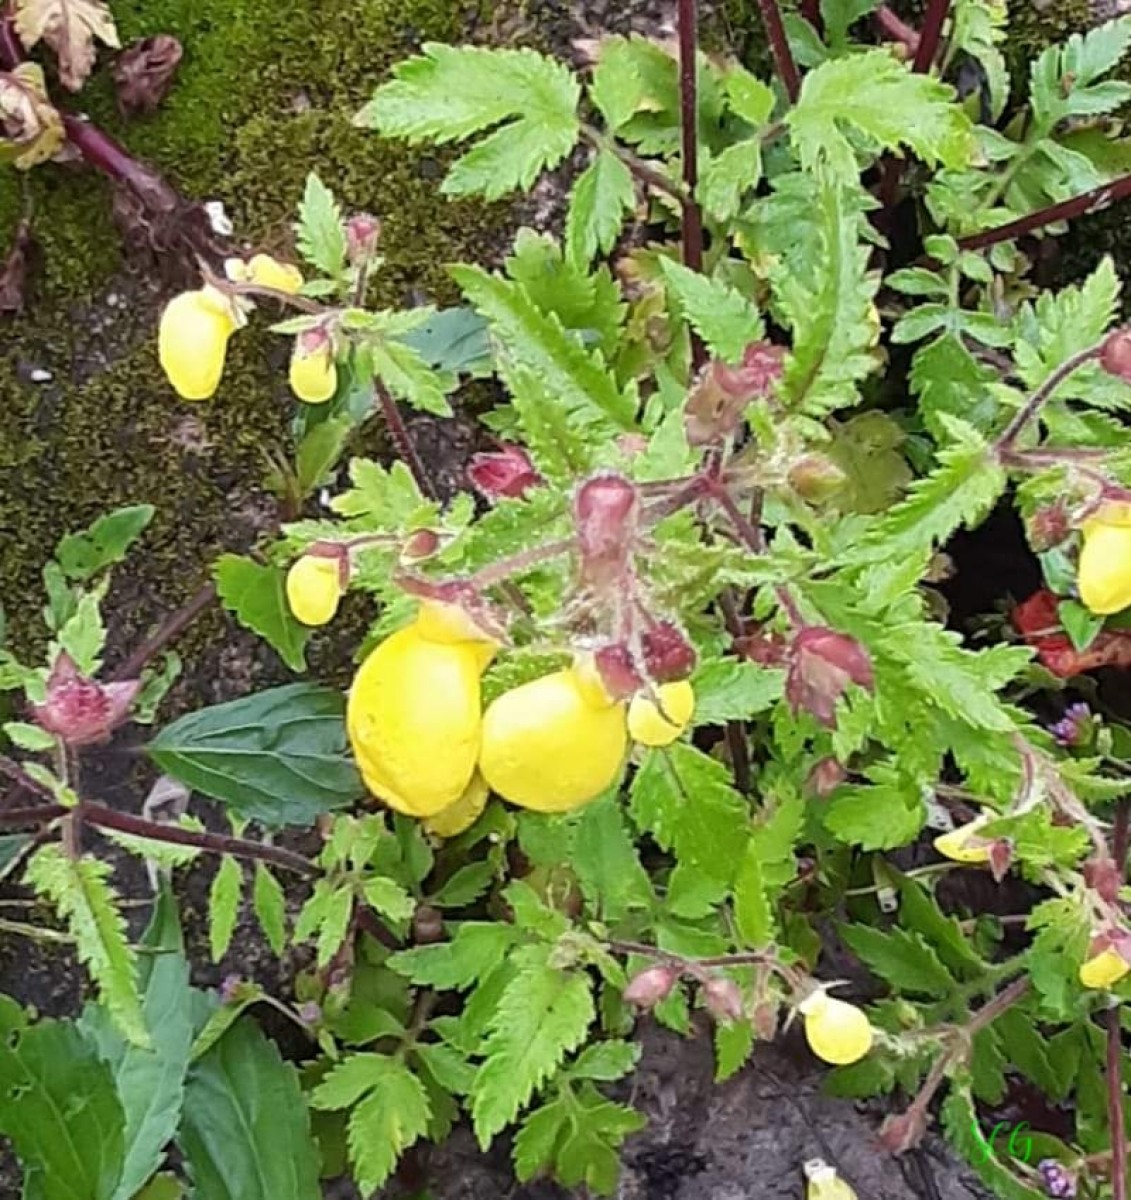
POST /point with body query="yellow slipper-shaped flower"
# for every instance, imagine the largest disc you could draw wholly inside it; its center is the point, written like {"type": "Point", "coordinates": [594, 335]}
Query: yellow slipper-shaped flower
{"type": "Point", "coordinates": [192, 341]}
{"type": "Point", "coordinates": [553, 744]}
{"type": "Point", "coordinates": [1104, 970]}
{"type": "Point", "coordinates": [1104, 570]}
{"type": "Point", "coordinates": [653, 724]}
{"type": "Point", "coordinates": [837, 1032]}
{"type": "Point", "coordinates": [464, 813]}
{"type": "Point", "coordinates": [314, 588]}
{"type": "Point", "coordinates": [963, 845]}
{"type": "Point", "coordinates": [313, 373]}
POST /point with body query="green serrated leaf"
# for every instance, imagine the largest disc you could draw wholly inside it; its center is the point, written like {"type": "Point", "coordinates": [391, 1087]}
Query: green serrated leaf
{"type": "Point", "coordinates": [270, 908]}
{"type": "Point", "coordinates": [725, 319]}
{"type": "Point", "coordinates": [606, 862]}
{"type": "Point", "coordinates": [280, 756]}
{"type": "Point", "coordinates": [83, 634]}
{"type": "Point", "coordinates": [733, 1042]}
{"type": "Point", "coordinates": [605, 1062]}
{"type": "Point", "coordinates": [901, 958]}
{"type": "Point", "coordinates": [319, 452]}
{"type": "Point", "coordinates": [81, 893]}
{"type": "Point", "coordinates": [107, 541]}
{"type": "Point", "coordinates": [321, 236]}
{"type": "Point", "coordinates": [477, 949]}
{"type": "Point", "coordinates": [224, 906]}
{"type": "Point", "coordinates": [27, 737]}
{"type": "Point", "coordinates": [256, 595]}
{"type": "Point", "coordinates": [603, 194]}
{"type": "Point", "coordinates": [409, 378]}
{"type": "Point", "coordinates": [734, 690]}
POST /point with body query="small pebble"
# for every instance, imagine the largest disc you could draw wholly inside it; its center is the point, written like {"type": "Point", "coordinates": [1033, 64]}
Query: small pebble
{"type": "Point", "coordinates": [40, 375]}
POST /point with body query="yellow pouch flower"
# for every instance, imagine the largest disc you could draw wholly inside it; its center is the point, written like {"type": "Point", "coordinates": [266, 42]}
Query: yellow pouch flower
{"type": "Point", "coordinates": [837, 1032]}
{"type": "Point", "coordinates": [958, 846]}
{"type": "Point", "coordinates": [552, 745]}
{"type": "Point", "coordinates": [464, 813]}
{"type": "Point", "coordinates": [659, 725]}
{"type": "Point", "coordinates": [314, 373]}
{"type": "Point", "coordinates": [192, 341]}
{"type": "Point", "coordinates": [823, 1183]}
{"type": "Point", "coordinates": [270, 273]}
{"type": "Point", "coordinates": [314, 588]}
{"type": "Point", "coordinates": [1104, 570]}
{"type": "Point", "coordinates": [1104, 970]}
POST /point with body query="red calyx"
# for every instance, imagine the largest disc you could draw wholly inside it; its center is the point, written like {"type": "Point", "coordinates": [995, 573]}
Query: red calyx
{"type": "Point", "coordinates": [507, 473]}
{"type": "Point", "coordinates": [79, 710]}
{"type": "Point", "coordinates": [822, 663]}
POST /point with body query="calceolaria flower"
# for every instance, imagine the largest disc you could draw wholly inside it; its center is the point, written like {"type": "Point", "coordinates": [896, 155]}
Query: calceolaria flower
{"type": "Point", "coordinates": [313, 373]}
{"type": "Point", "coordinates": [1108, 961]}
{"type": "Point", "coordinates": [823, 1183]}
{"type": "Point", "coordinates": [659, 721]}
{"type": "Point", "coordinates": [265, 271]}
{"type": "Point", "coordinates": [192, 341]}
{"type": "Point", "coordinates": [464, 813]}
{"type": "Point", "coordinates": [837, 1032]}
{"type": "Point", "coordinates": [315, 584]}
{"type": "Point", "coordinates": [553, 744]}
{"type": "Point", "coordinates": [413, 716]}
{"type": "Point", "coordinates": [1104, 571]}
{"type": "Point", "coordinates": [964, 844]}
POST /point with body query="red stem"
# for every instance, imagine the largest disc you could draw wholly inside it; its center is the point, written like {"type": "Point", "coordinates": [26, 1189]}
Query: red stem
{"type": "Point", "coordinates": [692, 215]}
{"type": "Point", "coordinates": [930, 35]}
{"type": "Point", "coordinates": [1067, 210]}
{"type": "Point", "coordinates": [402, 440]}
{"type": "Point", "coordinates": [896, 29]}
{"type": "Point", "coordinates": [170, 628]}
{"type": "Point", "coordinates": [1119, 843]}
{"type": "Point", "coordinates": [784, 61]}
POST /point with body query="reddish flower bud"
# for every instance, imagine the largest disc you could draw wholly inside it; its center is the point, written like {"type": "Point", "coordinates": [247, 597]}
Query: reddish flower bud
{"type": "Point", "coordinates": [903, 1131]}
{"type": "Point", "coordinates": [1001, 857]}
{"type": "Point", "coordinates": [825, 778]}
{"type": "Point", "coordinates": [81, 711]}
{"type": "Point", "coordinates": [822, 663]}
{"type": "Point", "coordinates": [1048, 527]}
{"type": "Point", "coordinates": [363, 232]}
{"type": "Point", "coordinates": [652, 985]}
{"type": "Point", "coordinates": [606, 510]}
{"type": "Point", "coordinates": [765, 1019]}
{"type": "Point", "coordinates": [723, 999]}
{"type": "Point", "coordinates": [720, 395]}
{"type": "Point", "coordinates": [1115, 357]}
{"type": "Point", "coordinates": [420, 544]}
{"type": "Point", "coordinates": [668, 655]}
{"type": "Point", "coordinates": [503, 474]}
{"type": "Point", "coordinates": [618, 672]}
{"type": "Point", "coordinates": [1038, 621]}
{"type": "Point", "coordinates": [1103, 876]}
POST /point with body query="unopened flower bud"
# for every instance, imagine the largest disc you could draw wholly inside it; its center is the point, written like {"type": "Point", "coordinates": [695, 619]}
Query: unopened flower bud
{"type": "Point", "coordinates": [606, 510]}
{"type": "Point", "coordinates": [79, 710]}
{"type": "Point", "coordinates": [313, 370]}
{"type": "Point", "coordinates": [1048, 527]}
{"type": "Point", "coordinates": [765, 1020]}
{"type": "Point", "coordinates": [1001, 858]}
{"type": "Point", "coordinates": [316, 582]}
{"type": "Point", "coordinates": [310, 1013]}
{"type": "Point", "coordinates": [507, 473]}
{"type": "Point", "coordinates": [363, 232]}
{"type": "Point", "coordinates": [723, 999]}
{"type": "Point", "coordinates": [822, 663]}
{"type": "Point", "coordinates": [1115, 357]}
{"type": "Point", "coordinates": [668, 655]}
{"type": "Point", "coordinates": [903, 1131]}
{"type": "Point", "coordinates": [230, 988]}
{"type": "Point", "coordinates": [721, 394]}
{"type": "Point", "coordinates": [1103, 876]}
{"type": "Point", "coordinates": [763, 647]}
{"type": "Point", "coordinates": [825, 778]}
{"type": "Point", "coordinates": [420, 544]}
{"type": "Point", "coordinates": [618, 672]}
{"type": "Point", "coordinates": [816, 478]}
{"type": "Point", "coordinates": [652, 985]}
{"type": "Point", "coordinates": [1058, 1181]}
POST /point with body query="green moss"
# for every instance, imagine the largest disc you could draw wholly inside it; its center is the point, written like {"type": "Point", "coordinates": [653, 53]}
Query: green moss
{"type": "Point", "coordinates": [264, 95]}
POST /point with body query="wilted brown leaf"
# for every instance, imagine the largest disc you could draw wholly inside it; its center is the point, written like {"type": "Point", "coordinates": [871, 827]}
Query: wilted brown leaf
{"type": "Point", "coordinates": [144, 73]}
{"type": "Point", "coordinates": [31, 129]}
{"type": "Point", "coordinates": [70, 28]}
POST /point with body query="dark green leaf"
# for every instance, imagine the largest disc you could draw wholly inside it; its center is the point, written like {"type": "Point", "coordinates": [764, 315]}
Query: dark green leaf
{"type": "Point", "coordinates": [279, 756]}
{"type": "Point", "coordinates": [901, 959]}
{"type": "Point", "coordinates": [256, 595]}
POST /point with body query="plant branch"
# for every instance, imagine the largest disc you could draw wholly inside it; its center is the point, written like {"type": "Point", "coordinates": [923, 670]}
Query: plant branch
{"type": "Point", "coordinates": [169, 630]}
{"type": "Point", "coordinates": [930, 35]}
{"type": "Point", "coordinates": [895, 28]}
{"type": "Point", "coordinates": [640, 167]}
{"type": "Point", "coordinates": [402, 440]}
{"type": "Point", "coordinates": [1119, 844]}
{"type": "Point", "coordinates": [1067, 210]}
{"type": "Point", "coordinates": [784, 62]}
{"type": "Point", "coordinates": [1004, 443]}
{"type": "Point", "coordinates": [691, 217]}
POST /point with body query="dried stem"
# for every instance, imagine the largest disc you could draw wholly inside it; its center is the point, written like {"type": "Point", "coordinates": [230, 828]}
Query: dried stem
{"type": "Point", "coordinates": [930, 35]}
{"type": "Point", "coordinates": [1032, 406]}
{"type": "Point", "coordinates": [1067, 210]}
{"type": "Point", "coordinates": [784, 61]}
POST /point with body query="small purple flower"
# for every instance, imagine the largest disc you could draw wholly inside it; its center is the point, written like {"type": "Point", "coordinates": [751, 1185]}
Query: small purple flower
{"type": "Point", "coordinates": [309, 1013]}
{"type": "Point", "coordinates": [1075, 727]}
{"type": "Point", "coordinates": [230, 989]}
{"type": "Point", "coordinates": [1058, 1182]}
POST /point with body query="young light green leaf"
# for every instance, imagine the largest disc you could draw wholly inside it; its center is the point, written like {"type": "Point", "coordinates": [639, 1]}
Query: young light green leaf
{"type": "Point", "coordinates": [224, 906]}
{"type": "Point", "coordinates": [879, 816]}
{"type": "Point", "coordinates": [319, 452]}
{"type": "Point", "coordinates": [476, 950]}
{"type": "Point", "coordinates": [725, 319]}
{"type": "Point", "coordinates": [543, 1015]}
{"type": "Point", "coordinates": [256, 595]}
{"type": "Point", "coordinates": [28, 737]}
{"type": "Point", "coordinates": [606, 1062]}
{"type": "Point", "coordinates": [729, 689]}
{"type": "Point", "coordinates": [387, 897]}
{"type": "Point", "coordinates": [409, 378]}
{"type": "Point", "coordinates": [83, 635]}
{"type": "Point", "coordinates": [606, 862]}
{"type": "Point", "coordinates": [886, 106]}
{"type": "Point", "coordinates": [733, 1042]}
{"type": "Point", "coordinates": [321, 237]}
{"type": "Point", "coordinates": [603, 194]}
{"type": "Point", "coordinates": [901, 958]}
{"type": "Point", "coordinates": [270, 908]}
{"type": "Point", "coordinates": [727, 176]}
{"type": "Point", "coordinates": [450, 93]}
{"type": "Point", "coordinates": [83, 555]}
{"type": "Point", "coordinates": [81, 893]}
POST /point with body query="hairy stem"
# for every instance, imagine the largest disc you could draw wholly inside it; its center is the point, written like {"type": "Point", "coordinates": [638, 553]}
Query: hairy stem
{"type": "Point", "coordinates": [1009, 435]}
{"type": "Point", "coordinates": [895, 28]}
{"type": "Point", "coordinates": [1119, 845]}
{"type": "Point", "coordinates": [692, 214]}
{"type": "Point", "coordinates": [930, 35]}
{"type": "Point", "coordinates": [784, 62]}
{"type": "Point", "coordinates": [169, 630]}
{"type": "Point", "coordinates": [402, 440]}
